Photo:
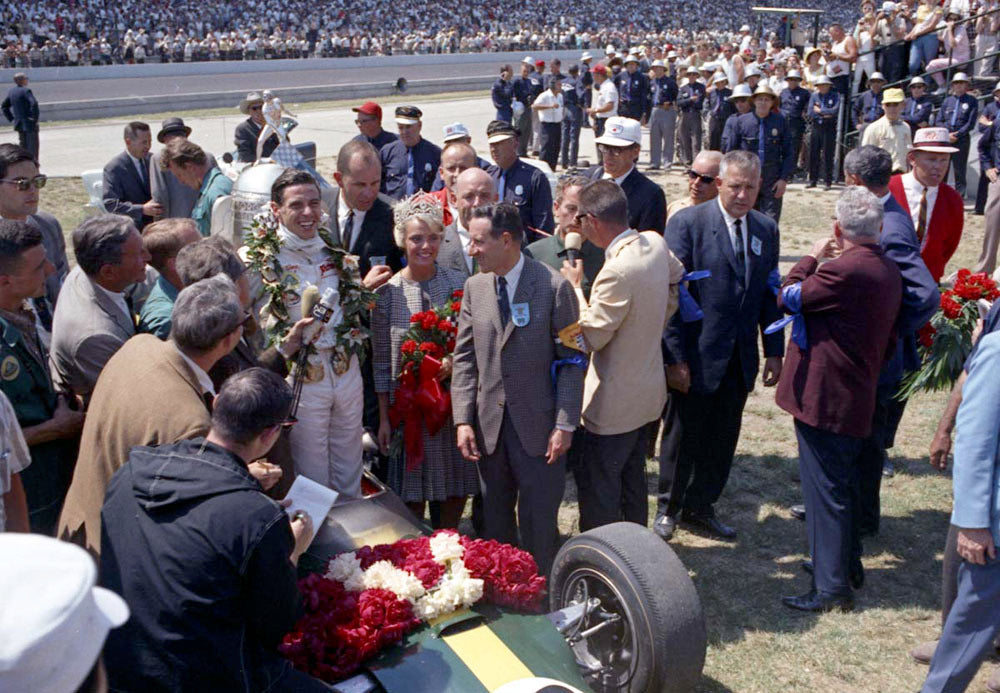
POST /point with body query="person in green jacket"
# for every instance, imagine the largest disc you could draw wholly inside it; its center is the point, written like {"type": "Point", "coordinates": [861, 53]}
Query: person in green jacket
{"type": "Point", "coordinates": [192, 167]}
{"type": "Point", "coordinates": [163, 240]}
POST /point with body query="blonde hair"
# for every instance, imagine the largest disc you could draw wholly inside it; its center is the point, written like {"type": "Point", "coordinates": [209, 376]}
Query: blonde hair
{"type": "Point", "coordinates": [420, 207]}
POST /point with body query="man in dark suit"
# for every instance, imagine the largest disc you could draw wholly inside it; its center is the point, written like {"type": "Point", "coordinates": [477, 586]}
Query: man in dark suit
{"type": "Point", "coordinates": [246, 134]}
{"type": "Point", "coordinates": [712, 362]}
{"type": "Point", "coordinates": [509, 415]}
{"type": "Point", "coordinates": [21, 108]}
{"type": "Point", "coordinates": [126, 178]}
{"type": "Point", "coordinates": [620, 144]}
{"type": "Point", "coordinates": [473, 188]}
{"type": "Point", "coordinates": [846, 309]}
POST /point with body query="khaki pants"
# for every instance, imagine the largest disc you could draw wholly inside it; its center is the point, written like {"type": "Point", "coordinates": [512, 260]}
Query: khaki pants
{"type": "Point", "coordinates": [987, 261]}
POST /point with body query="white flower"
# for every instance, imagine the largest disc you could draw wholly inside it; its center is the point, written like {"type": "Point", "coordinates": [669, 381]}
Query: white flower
{"type": "Point", "coordinates": [384, 575]}
{"type": "Point", "coordinates": [446, 546]}
{"type": "Point", "coordinates": [346, 568]}
{"type": "Point", "coordinates": [456, 590]}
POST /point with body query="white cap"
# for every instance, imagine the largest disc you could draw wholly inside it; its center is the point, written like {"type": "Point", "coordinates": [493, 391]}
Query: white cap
{"type": "Point", "coordinates": [53, 620]}
{"type": "Point", "coordinates": [658, 63]}
{"type": "Point", "coordinates": [671, 54]}
{"type": "Point", "coordinates": [610, 50]}
{"type": "Point", "coordinates": [793, 74]}
{"type": "Point", "coordinates": [707, 67]}
{"type": "Point", "coordinates": [877, 76]}
{"type": "Point", "coordinates": [751, 71]}
{"type": "Point", "coordinates": [719, 77]}
{"type": "Point", "coordinates": [527, 60]}
{"type": "Point", "coordinates": [960, 77]}
{"type": "Point", "coordinates": [745, 27]}
{"type": "Point", "coordinates": [691, 70]}
{"type": "Point", "coordinates": [455, 131]}
{"type": "Point", "coordinates": [632, 58]}
{"type": "Point", "coordinates": [586, 56]}
{"type": "Point", "coordinates": [621, 132]}
{"type": "Point", "coordinates": [888, 6]}
{"type": "Point", "coordinates": [822, 79]}
{"type": "Point", "coordinates": [741, 91]}
{"type": "Point", "coordinates": [918, 80]}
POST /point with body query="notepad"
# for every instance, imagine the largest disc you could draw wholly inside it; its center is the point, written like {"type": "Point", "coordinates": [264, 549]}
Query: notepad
{"type": "Point", "coordinates": [311, 498]}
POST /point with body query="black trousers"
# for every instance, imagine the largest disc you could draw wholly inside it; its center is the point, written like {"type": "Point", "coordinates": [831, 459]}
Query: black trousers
{"type": "Point", "coordinates": [599, 124]}
{"type": "Point", "coordinates": [611, 478]}
{"type": "Point", "coordinates": [828, 465]}
{"type": "Point", "coordinates": [523, 126]}
{"type": "Point", "coordinates": [822, 138]}
{"type": "Point", "coordinates": [572, 119]}
{"type": "Point", "coordinates": [888, 412]}
{"type": "Point", "coordinates": [982, 192]}
{"type": "Point", "coordinates": [797, 128]}
{"type": "Point", "coordinates": [959, 161]}
{"type": "Point", "coordinates": [699, 440]}
{"type": "Point", "coordinates": [715, 128]}
{"type": "Point", "coordinates": [551, 139]}
{"type": "Point", "coordinates": [766, 201]}
{"type": "Point", "coordinates": [29, 140]}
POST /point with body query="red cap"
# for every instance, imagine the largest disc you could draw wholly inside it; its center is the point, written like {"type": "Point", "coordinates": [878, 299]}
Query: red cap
{"type": "Point", "coordinates": [369, 108]}
{"type": "Point", "coordinates": [539, 63]}
{"type": "Point", "coordinates": [599, 69]}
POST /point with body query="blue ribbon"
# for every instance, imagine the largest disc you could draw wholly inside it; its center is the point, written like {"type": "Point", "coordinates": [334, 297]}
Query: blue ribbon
{"type": "Point", "coordinates": [574, 360]}
{"type": "Point", "coordinates": [774, 281]}
{"type": "Point", "coordinates": [689, 309]}
{"type": "Point", "coordinates": [791, 297]}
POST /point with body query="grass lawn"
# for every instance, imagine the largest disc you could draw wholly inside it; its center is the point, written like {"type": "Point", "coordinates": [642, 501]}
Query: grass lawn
{"type": "Point", "coordinates": [755, 643]}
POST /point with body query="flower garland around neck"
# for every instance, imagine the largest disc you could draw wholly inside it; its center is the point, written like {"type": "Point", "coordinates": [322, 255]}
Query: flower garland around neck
{"type": "Point", "coordinates": [261, 255]}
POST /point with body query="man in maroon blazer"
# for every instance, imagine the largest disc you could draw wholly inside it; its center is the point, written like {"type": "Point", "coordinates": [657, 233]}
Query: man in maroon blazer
{"type": "Point", "coordinates": [843, 328]}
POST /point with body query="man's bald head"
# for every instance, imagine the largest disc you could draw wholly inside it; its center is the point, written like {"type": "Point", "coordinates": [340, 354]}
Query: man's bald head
{"type": "Point", "coordinates": [705, 165]}
{"type": "Point", "coordinates": [474, 188]}
{"type": "Point", "coordinates": [456, 158]}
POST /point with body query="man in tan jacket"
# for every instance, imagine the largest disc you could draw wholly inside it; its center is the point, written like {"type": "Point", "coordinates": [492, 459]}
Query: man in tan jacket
{"type": "Point", "coordinates": [151, 392]}
{"type": "Point", "coordinates": [632, 298]}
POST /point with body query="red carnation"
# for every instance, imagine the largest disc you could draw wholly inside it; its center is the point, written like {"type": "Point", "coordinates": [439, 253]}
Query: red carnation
{"type": "Point", "coordinates": [951, 308]}
{"type": "Point", "coordinates": [416, 317]}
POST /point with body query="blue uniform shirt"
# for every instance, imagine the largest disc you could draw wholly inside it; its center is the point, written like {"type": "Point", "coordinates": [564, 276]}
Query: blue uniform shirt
{"type": "Point", "coordinates": [572, 92]}
{"type": "Point", "coordinates": [527, 187]}
{"type": "Point", "coordinates": [522, 90]}
{"type": "Point", "coordinates": [633, 94]}
{"type": "Point", "coordinates": [868, 107]}
{"type": "Point", "coordinates": [691, 97]}
{"type": "Point", "coordinates": [536, 85]}
{"type": "Point", "coordinates": [729, 132]}
{"type": "Point", "coordinates": [663, 90]}
{"type": "Point", "coordinates": [770, 140]}
{"type": "Point", "coordinates": [794, 103]}
{"type": "Point", "coordinates": [503, 94]}
{"type": "Point", "coordinates": [958, 114]}
{"type": "Point", "coordinates": [380, 140]}
{"type": "Point", "coordinates": [989, 112]}
{"type": "Point", "coordinates": [719, 105]}
{"type": "Point", "coordinates": [916, 111]}
{"type": "Point", "coordinates": [407, 171]}
{"type": "Point", "coordinates": [829, 106]}
{"type": "Point", "coordinates": [989, 146]}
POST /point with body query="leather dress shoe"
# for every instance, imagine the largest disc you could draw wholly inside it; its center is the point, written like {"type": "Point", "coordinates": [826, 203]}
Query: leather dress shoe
{"type": "Point", "coordinates": [888, 469]}
{"type": "Point", "coordinates": [709, 525]}
{"type": "Point", "coordinates": [817, 603]}
{"type": "Point", "coordinates": [855, 576]}
{"type": "Point", "coordinates": [924, 652]}
{"type": "Point", "coordinates": [664, 526]}
{"type": "Point", "coordinates": [798, 512]}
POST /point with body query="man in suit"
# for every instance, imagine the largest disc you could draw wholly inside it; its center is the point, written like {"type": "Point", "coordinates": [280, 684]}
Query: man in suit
{"type": "Point", "coordinates": [19, 197]}
{"type": "Point", "coordinates": [177, 199]}
{"type": "Point", "coordinates": [93, 318]}
{"type": "Point", "coordinates": [632, 298]}
{"type": "Point", "coordinates": [151, 392]}
{"type": "Point", "coordinates": [936, 208]}
{"type": "Point", "coordinates": [712, 361]}
{"type": "Point", "coordinates": [846, 309]}
{"type": "Point", "coordinates": [621, 144]}
{"type": "Point", "coordinates": [972, 624]}
{"type": "Point", "coordinates": [703, 182]}
{"type": "Point", "coordinates": [21, 108]}
{"type": "Point", "coordinates": [126, 179]}
{"type": "Point", "coordinates": [194, 168]}
{"type": "Point", "coordinates": [474, 187]}
{"type": "Point", "coordinates": [521, 184]}
{"type": "Point", "coordinates": [510, 417]}
{"type": "Point", "coordinates": [247, 133]}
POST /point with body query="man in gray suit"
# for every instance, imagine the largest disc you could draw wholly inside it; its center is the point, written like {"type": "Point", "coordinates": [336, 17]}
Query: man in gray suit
{"type": "Point", "coordinates": [473, 188]}
{"type": "Point", "coordinates": [510, 417]}
{"type": "Point", "coordinates": [93, 318]}
{"type": "Point", "coordinates": [176, 198]}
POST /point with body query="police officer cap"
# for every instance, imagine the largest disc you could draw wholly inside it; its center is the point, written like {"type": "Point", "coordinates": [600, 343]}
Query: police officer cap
{"type": "Point", "coordinates": [822, 79]}
{"type": "Point", "coordinates": [877, 77]}
{"type": "Point", "coordinates": [658, 63]}
{"type": "Point", "coordinates": [764, 90]}
{"type": "Point", "coordinates": [741, 91]}
{"type": "Point", "coordinates": [960, 77]}
{"type": "Point", "coordinates": [719, 77]}
{"type": "Point", "coordinates": [500, 130]}
{"type": "Point", "coordinates": [794, 74]}
{"type": "Point", "coordinates": [691, 70]}
{"type": "Point", "coordinates": [632, 58]}
{"type": "Point", "coordinates": [408, 115]}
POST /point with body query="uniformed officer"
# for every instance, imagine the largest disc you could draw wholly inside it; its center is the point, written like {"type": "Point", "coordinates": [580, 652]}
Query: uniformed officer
{"type": "Point", "coordinates": [573, 91]}
{"type": "Point", "coordinates": [765, 133]}
{"type": "Point", "coordinates": [983, 125]}
{"type": "Point", "coordinates": [633, 91]}
{"type": "Point", "coordinates": [719, 109]}
{"type": "Point", "coordinates": [794, 101]}
{"type": "Point", "coordinates": [523, 95]}
{"type": "Point", "coordinates": [740, 99]}
{"type": "Point", "coordinates": [868, 104]}
{"type": "Point", "coordinates": [519, 183]}
{"type": "Point", "coordinates": [410, 163]}
{"type": "Point", "coordinates": [959, 112]}
{"type": "Point", "coordinates": [369, 122]}
{"type": "Point", "coordinates": [503, 95]}
{"type": "Point", "coordinates": [536, 87]}
{"type": "Point", "coordinates": [824, 106]}
{"type": "Point", "coordinates": [51, 428]}
{"type": "Point", "coordinates": [586, 82]}
{"type": "Point", "coordinates": [662, 116]}
{"type": "Point", "coordinates": [690, 99]}
{"type": "Point", "coordinates": [917, 107]}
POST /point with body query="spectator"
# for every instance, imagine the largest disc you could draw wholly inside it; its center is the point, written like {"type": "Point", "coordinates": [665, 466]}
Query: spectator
{"type": "Point", "coordinates": [473, 188]}
{"type": "Point", "coordinates": [13, 503]}
{"type": "Point", "coordinates": [703, 182]}
{"type": "Point", "coordinates": [162, 241]}
{"type": "Point", "coordinates": [176, 198]}
{"type": "Point", "coordinates": [192, 167]}
{"type": "Point", "coordinates": [126, 179]}
{"type": "Point", "coordinates": [369, 122]}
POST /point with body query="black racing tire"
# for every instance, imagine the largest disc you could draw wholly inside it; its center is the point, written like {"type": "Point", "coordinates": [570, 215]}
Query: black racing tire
{"type": "Point", "coordinates": [661, 639]}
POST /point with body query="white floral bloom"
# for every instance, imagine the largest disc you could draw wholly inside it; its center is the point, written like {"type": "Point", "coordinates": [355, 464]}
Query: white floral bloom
{"type": "Point", "coordinates": [384, 575]}
{"type": "Point", "coordinates": [350, 262]}
{"type": "Point", "coordinates": [446, 546]}
{"type": "Point", "coordinates": [346, 568]}
{"type": "Point", "coordinates": [457, 589]}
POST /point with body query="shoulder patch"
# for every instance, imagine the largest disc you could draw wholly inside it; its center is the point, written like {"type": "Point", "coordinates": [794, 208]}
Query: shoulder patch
{"type": "Point", "coordinates": [10, 368]}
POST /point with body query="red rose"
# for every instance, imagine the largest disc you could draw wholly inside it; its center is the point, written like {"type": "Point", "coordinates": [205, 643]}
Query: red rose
{"type": "Point", "coordinates": [456, 306]}
{"type": "Point", "coordinates": [416, 317]}
{"type": "Point", "coordinates": [951, 308]}
{"type": "Point", "coordinates": [964, 274]}
{"type": "Point", "coordinates": [408, 347]}
{"type": "Point", "coordinates": [450, 346]}
{"type": "Point", "coordinates": [444, 325]}
{"type": "Point", "coordinates": [457, 293]}
{"type": "Point", "coordinates": [428, 321]}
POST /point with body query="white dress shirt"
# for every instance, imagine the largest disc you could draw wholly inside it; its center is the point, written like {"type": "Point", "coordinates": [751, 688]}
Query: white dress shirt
{"type": "Point", "coordinates": [206, 383]}
{"type": "Point", "coordinates": [731, 227]}
{"type": "Point", "coordinates": [463, 238]}
{"type": "Point", "coordinates": [619, 179]}
{"type": "Point", "coordinates": [513, 277]}
{"type": "Point", "coordinates": [607, 93]}
{"type": "Point", "coordinates": [914, 189]}
{"type": "Point", "coordinates": [550, 115]}
{"type": "Point", "coordinates": [119, 300]}
{"type": "Point", "coordinates": [343, 211]}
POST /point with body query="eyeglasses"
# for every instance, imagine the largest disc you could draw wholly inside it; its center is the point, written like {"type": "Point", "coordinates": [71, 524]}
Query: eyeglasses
{"type": "Point", "coordinates": [707, 180]}
{"type": "Point", "coordinates": [24, 184]}
{"type": "Point", "coordinates": [607, 149]}
{"type": "Point", "coordinates": [364, 121]}
{"type": "Point", "coordinates": [579, 217]}
{"type": "Point", "coordinates": [255, 108]}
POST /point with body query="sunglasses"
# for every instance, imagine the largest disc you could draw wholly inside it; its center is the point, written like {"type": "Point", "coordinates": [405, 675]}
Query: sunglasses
{"type": "Point", "coordinates": [255, 108]}
{"type": "Point", "coordinates": [707, 180]}
{"type": "Point", "coordinates": [24, 184]}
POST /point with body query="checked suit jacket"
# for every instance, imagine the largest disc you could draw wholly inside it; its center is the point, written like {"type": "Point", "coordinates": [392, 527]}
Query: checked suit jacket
{"type": "Point", "coordinates": [501, 368]}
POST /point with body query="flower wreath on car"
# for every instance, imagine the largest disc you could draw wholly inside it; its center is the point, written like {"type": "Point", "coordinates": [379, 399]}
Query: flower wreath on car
{"type": "Point", "coordinates": [370, 598]}
{"type": "Point", "coordinates": [261, 254]}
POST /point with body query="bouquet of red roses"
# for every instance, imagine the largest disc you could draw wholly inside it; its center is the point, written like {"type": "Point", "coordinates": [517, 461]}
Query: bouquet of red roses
{"type": "Point", "coordinates": [945, 342]}
{"type": "Point", "coordinates": [421, 399]}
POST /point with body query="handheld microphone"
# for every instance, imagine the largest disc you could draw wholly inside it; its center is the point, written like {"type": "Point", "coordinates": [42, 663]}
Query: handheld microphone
{"type": "Point", "coordinates": [573, 241]}
{"type": "Point", "coordinates": [327, 305]}
{"type": "Point", "coordinates": [310, 299]}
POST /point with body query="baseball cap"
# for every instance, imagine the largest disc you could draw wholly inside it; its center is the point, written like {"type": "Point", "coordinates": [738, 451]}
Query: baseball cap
{"type": "Point", "coordinates": [455, 131]}
{"type": "Point", "coordinates": [621, 132]}
{"type": "Point", "coordinates": [408, 115]}
{"type": "Point", "coordinates": [933, 140]}
{"type": "Point", "coordinates": [500, 130]}
{"type": "Point", "coordinates": [369, 108]}
{"type": "Point", "coordinates": [527, 60]}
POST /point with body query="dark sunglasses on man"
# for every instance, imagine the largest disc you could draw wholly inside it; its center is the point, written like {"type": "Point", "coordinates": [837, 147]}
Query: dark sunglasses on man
{"type": "Point", "coordinates": [24, 184]}
{"type": "Point", "coordinates": [706, 180]}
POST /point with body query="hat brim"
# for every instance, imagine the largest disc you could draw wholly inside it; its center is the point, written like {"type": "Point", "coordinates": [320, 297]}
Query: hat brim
{"type": "Point", "coordinates": [112, 606]}
{"type": "Point", "coordinates": [162, 134]}
{"type": "Point", "coordinates": [937, 148]}
{"type": "Point", "coordinates": [245, 105]}
{"type": "Point", "coordinates": [500, 137]}
{"type": "Point", "coordinates": [406, 120]}
{"type": "Point", "coordinates": [456, 136]}
{"type": "Point", "coordinates": [613, 141]}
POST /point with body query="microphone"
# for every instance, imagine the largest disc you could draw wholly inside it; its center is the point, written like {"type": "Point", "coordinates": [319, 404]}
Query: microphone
{"type": "Point", "coordinates": [310, 299]}
{"type": "Point", "coordinates": [573, 241]}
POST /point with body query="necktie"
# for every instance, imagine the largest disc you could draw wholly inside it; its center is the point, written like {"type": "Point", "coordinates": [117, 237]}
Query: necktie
{"type": "Point", "coordinates": [503, 300]}
{"type": "Point", "coordinates": [922, 217]}
{"type": "Point", "coordinates": [209, 399]}
{"type": "Point", "coordinates": [739, 249]}
{"type": "Point", "coordinates": [501, 186]}
{"type": "Point", "coordinates": [143, 176]}
{"type": "Point", "coordinates": [954, 114]}
{"type": "Point", "coordinates": [411, 185]}
{"type": "Point", "coordinates": [349, 231]}
{"type": "Point", "coordinates": [760, 152]}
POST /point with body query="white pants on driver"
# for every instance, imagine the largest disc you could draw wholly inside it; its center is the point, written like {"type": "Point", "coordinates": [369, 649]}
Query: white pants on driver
{"type": "Point", "coordinates": [326, 440]}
